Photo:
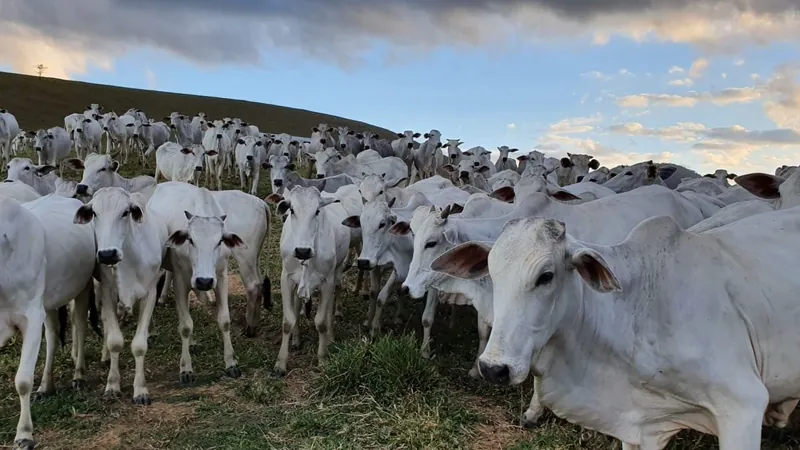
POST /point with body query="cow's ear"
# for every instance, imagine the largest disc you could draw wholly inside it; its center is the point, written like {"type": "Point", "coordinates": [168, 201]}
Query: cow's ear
{"type": "Point", "coordinates": [283, 206]}
{"type": "Point", "coordinates": [114, 165]}
{"type": "Point", "coordinates": [352, 222]}
{"type": "Point", "coordinates": [136, 213]}
{"type": "Point", "coordinates": [178, 238]}
{"type": "Point", "coordinates": [74, 163]}
{"type": "Point", "coordinates": [232, 240]}
{"type": "Point", "coordinates": [400, 228]}
{"type": "Point", "coordinates": [273, 199]}
{"type": "Point", "coordinates": [467, 261]}
{"type": "Point", "coordinates": [44, 170]}
{"type": "Point", "coordinates": [83, 215]}
{"type": "Point", "coordinates": [761, 185]}
{"type": "Point", "coordinates": [505, 194]}
{"type": "Point", "coordinates": [564, 196]}
{"type": "Point", "coordinates": [593, 269]}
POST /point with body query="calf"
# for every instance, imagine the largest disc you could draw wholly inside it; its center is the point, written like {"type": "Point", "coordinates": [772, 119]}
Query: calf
{"type": "Point", "coordinates": [199, 247]}
{"type": "Point", "coordinates": [503, 161]}
{"type": "Point", "coordinates": [250, 158]}
{"type": "Point", "coordinates": [88, 135]}
{"type": "Point", "coordinates": [22, 142]}
{"type": "Point", "coordinates": [100, 171]}
{"type": "Point", "coordinates": [176, 163]}
{"type": "Point", "coordinates": [52, 146]}
{"type": "Point", "coordinates": [314, 246]}
{"type": "Point", "coordinates": [216, 140]}
{"type": "Point", "coordinates": [131, 242]}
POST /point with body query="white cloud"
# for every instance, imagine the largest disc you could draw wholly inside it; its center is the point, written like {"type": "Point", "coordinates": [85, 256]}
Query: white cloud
{"type": "Point", "coordinates": [575, 125]}
{"type": "Point", "coordinates": [675, 69]}
{"type": "Point", "coordinates": [596, 75]}
{"type": "Point", "coordinates": [738, 62]}
{"type": "Point", "coordinates": [698, 67]}
{"type": "Point", "coordinates": [723, 97]}
{"type": "Point", "coordinates": [724, 75]}
{"type": "Point", "coordinates": [687, 82]}
{"type": "Point", "coordinates": [511, 126]}
{"type": "Point", "coordinates": [150, 76]}
{"type": "Point", "coordinates": [625, 72]}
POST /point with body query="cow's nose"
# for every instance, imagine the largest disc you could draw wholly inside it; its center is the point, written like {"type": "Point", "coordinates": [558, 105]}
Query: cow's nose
{"type": "Point", "coordinates": [219, 136]}
{"type": "Point", "coordinates": [204, 284]}
{"type": "Point", "coordinates": [476, 163]}
{"type": "Point", "coordinates": [8, 181]}
{"type": "Point", "coordinates": [172, 126]}
{"type": "Point", "coordinates": [363, 264]}
{"type": "Point", "coordinates": [135, 136]}
{"type": "Point", "coordinates": [105, 128]}
{"type": "Point", "coordinates": [464, 174]}
{"type": "Point", "coordinates": [366, 147]}
{"type": "Point", "coordinates": [319, 175]}
{"type": "Point", "coordinates": [278, 183]}
{"type": "Point", "coordinates": [79, 130]}
{"type": "Point", "coordinates": [249, 157]}
{"type": "Point", "coordinates": [238, 131]}
{"type": "Point", "coordinates": [452, 156]}
{"type": "Point", "coordinates": [405, 290]}
{"type": "Point", "coordinates": [82, 189]}
{"type": "Point", "coordinates": [322, 141]}
{"type": "Point", "coordinates": [580, 178]}
{"type": "Point", "coordinates": [499, 374]}
{"type": "Point", "coordinates": [198, 168]}
{"type": "Point", "coordinates": [108, 257]}
{"type": "Point", "coordinates": [38, 149]}
{"type": "Point", "coordinates": [302, 253]}
{"type": "Point", "coordinates": [505, 158]}
{"type": "Point", "coordinates": [410, 145]}
{"type": "Point", "coordinates": [343, 145]}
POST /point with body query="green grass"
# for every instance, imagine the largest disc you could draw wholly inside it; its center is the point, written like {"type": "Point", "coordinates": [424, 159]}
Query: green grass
{"type": "Point", "coordinates": [370, 395]}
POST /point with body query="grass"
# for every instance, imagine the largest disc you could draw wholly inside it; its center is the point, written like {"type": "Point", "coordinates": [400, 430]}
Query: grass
{"type": "Point", "coordinates": [368, 396]}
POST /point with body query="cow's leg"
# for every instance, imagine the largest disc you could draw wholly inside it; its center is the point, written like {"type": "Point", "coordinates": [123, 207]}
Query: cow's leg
{"type": "Point", "coordinates": [398, 313]}
{"type": "Point", "coordinates": [141, 396]}
{"type": "Point", "coordinates": [630, 446]}
{"type": "Point", "coordinates": [224, 323]}
{"type": "Point", "coordinates": [372, 295]}
{"type": "Point", "coordinates": [80, 314]}
{"type": "Point", "coordinates": [209, 169]}
{"type": "Point", "coordinates": [453, 309]}
{"type": "Point", "coordinates": [428, 315]}
{"type": "Point", "coordinates": [777, 414]}
{"type": "Point", "coordinates": [219, 175]}
{"type": "Point", "coordinates": [383, 298]}
{"type": "Point", "coordinates": [297, 304]}
{"type": "Point", "coordinates": [289, 321]}
{"type": "Point", "coordinates": [321, 320]}
{"type": "Point", "coordinates": [739, 424]}
{"type": "Point", "coordinates": [484, 329]}
{"type": "Point", "coordinates": [185, 324]}
{"type": "Point", "coordinates": [162, 299]}
{"type": "Point", "coordinates": [51, 342]}
{"type": "Point", "coordinates": [254, 185]}
{"type": "Point", "coordinates": [31, 328]}
{"type": "Point", "coordinates": [247, 260]}
{"type": "Point", "coordinates": [535, 409]}
{"type": "Point", "coordinates": [115, 341]}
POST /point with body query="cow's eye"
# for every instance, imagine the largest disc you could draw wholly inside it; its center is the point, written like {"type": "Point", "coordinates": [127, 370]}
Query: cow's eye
{"type": "Point", "coordinates": [381, 225]}
{"type": "Point", "coordinates": [27, 168]}
{"type": "Point", "coordinates": [629, 173]}
{"type": "Point", "coordinates": [125, 214]}
{"type": "Point", "coordinates": [430, 244]}
{"type": "Point", "coordinates": [544, 279]}
{"type": "Point", "coordinates": [380, 193]}
{"type": "Point", "coordinates": [103, 169]}
{"type": "Point", "coordinates": [191, 241]}
{"type": "Point", "coordinates": [316, 213]}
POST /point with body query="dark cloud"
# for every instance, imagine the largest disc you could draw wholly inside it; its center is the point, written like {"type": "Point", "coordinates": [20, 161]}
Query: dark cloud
{"type": "Point", "coordinates": [238, 31]}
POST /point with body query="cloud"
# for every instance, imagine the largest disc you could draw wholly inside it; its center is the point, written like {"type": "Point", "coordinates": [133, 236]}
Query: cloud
{"type": "Point", "coordinates": [511, 126]}
{"type": "Point", "coordinates": [783, 105]}
{"type": "Point", "coordinates": [646, 100]}
{"type": "Point", "coordinates": [626, 72]}
{"type": "Point", "coordinates": [575, 125]}
{"type": "Point", "coordinates": [721, 98]}
{"type": "Point", "coordinates": [698, 67]}
{"type": "Point", "coordinates": [596, 75]}
{"type": "Point", "coordinates": [681, 82]}
{"type": "Point", "coordinates": [105, 29]}
{"type": "Point", "coordinates": [150, 76]}
{"type": "Point", "coordinates": [675, 69]}
{"type": "Point", "coordinates": [738, 62]}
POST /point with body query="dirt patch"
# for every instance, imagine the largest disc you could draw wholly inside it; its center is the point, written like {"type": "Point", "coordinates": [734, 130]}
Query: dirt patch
{"type": "Point", "coordinates": [498, 431]}
{"type": "Point", "coordinates": [141, 420]}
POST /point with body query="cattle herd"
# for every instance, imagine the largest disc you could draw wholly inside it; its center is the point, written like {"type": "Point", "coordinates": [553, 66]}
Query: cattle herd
{"type": "Point", "coordinates": [644, 299]}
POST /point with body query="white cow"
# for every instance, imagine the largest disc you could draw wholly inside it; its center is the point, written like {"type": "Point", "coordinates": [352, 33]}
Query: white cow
{"type": "Point", "coordinates": [373, 141]}
{"type": "Point", "coordinates": [198, 126]}
{"type": "Point", "coordinates": [314, 247]}
{"type": "Point", "coordinates": [182, 126]}
{"type": "Point", "coordinates": [18, 190]}
{"type": "Point", "coordinates": [71, 122]}
{"type": "Point", "coordinates": [9, 128]}
{"type": "Point", "coordinates": [470, 174]}
{"type": "Point", "coordinates": [375, 188]}
{"type": "Point", "coordinates": [22, 142]}
{"type": "Point", "coordinates": [216, 139]}
{"type": "Point", "coordinates": [154, 135]}
{"type": "Point", "coordinates": [120, 131]}
{"type": "Point", "coordinates": [454, 154]}
{"type": "Point", "coordinates": [504, 178]}
{"type": "Point", "coordinates": [631, 177]}
{"type": "Point", "coordinates": [575, 167]}
{"type": "Point", "coordinates": [428, 157]}
{"type": "Point", "coordinates": [503, 161]}
{"type": "Point", "coordinates": [784, 192]}
{"type": "Point", "coordinates": [278, 166]}
{"type": "Point", "coordinates": [22, 288]}
{"type": "Point", "coordinates": [131, 242]}
{"type": "Point", "coordinates": [599, 301]}
{"type": "Point", "coordinates": [533, 157]}
{"type": "Point", "coordinates": [100, 171]}
{"type": "Point", "coordinates": [199, 247]}
{"type": "Point", "coordinates": [479, 157]}
{"type": "Point", "coordinates": [52, 146]}
{"type": "Point", "coordinates": [177, 163]}
{"type": "Point", "coordinates": [331, 163]}
{"type": "Point", "coordinates": [349, 144]}
{"type": "Point", "coordinates": [88, 136]}
{"type": "Point", "coordinates": [283, 144]}
{"type": "Point", "coordinates": [40, 178]}
{"type": "Point", "coordinates": [403, 147]}
{"type": "Point", "coordinates": [93, 111]}
{"type": "Point", "coordinates": [251, 156]}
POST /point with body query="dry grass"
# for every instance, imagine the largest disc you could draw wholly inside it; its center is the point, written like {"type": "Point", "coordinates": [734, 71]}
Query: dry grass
{"type": "Point", "coordinates": [438, 409]}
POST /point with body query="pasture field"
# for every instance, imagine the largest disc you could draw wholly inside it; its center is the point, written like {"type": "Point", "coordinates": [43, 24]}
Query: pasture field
{"type": "Point", "coordinates": [377, 394]}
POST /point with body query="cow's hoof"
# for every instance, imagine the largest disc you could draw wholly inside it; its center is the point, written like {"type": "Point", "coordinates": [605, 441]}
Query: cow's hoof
{"type": "Point", "coordinates": [111, 394]}
{"type": "Point", "coordinates": [250, 331]}
{"type": "Point", "coordinates": [279, 372]}
{"type": "Point", "coordinates": [24, 444]}
{"type": "Point", "coordinates": [233, 372]}
{"type": "Point", "coordinates": [41, 395]}
{"type": "Point", "coordinates": [142, 400]}
{"type": "Point", "coordinates": [78, 384]}
{"type": "Point", "coordinates": [187, 377]}
{"type": "Point", "coordinates": [195, 349]}
{"type": "Point", "coordinates": [338, 315]}
{"type": "Point", "coordinates": [474, 373]}
{"type": "Point", "coordinates": [296, 346]}
{"type": "Point", "coordinates": [530, 419]}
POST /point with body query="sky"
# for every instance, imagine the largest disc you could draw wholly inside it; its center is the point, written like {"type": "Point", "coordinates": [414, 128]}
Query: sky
{"type": "Point", "coordinates": [705, 83]}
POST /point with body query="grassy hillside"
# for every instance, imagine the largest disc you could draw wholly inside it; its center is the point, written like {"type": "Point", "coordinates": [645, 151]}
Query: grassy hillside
{"type": "Point", "coordinates": [43, 102]}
